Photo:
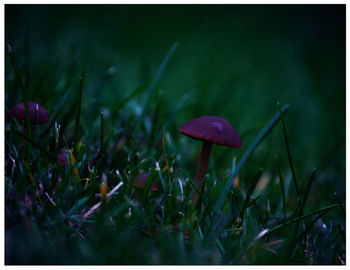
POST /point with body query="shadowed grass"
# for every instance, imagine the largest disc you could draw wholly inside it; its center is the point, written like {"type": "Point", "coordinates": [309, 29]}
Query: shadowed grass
{"type": "Point", "coordinates": [51, 157]}
{"type": "Point", "coordinates": [89, 212]}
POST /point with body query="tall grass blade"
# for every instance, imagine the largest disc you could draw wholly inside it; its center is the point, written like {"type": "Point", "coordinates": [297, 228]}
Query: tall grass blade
{"type": "Point", "coordinates": [309, 186]}
{"type": "Point", "coordinates": [100, 151]}
{"type": "Point", "coordinates": [77, 115]}
{"type": "Point", "coordinates": [282, 191]}
{"type": "Point", "coordinates": [102, 128]}
{"type": "Point", "coordinates": [159, 73]}
{"type": "Point", "coordinates": [250, 192]}
{"type": "Point", "coordinates": [150, 89]}
{"type": "Point", "coordinates": [290, 159]}
{"type": "Point", "coordinates": [261, 136]}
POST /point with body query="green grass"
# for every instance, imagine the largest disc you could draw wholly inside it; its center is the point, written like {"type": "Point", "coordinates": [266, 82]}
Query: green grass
{"type": "Point", "coordinates": [263, 204]}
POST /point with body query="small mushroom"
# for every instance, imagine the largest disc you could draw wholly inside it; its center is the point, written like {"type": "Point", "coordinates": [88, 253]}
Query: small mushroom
{"type": "Point", "coordinates": [209, 129]}
{"type": "Point", "coordinates": [61, 158]}
{"type": "Point", "coordinates": [141, 180]}
{"type": "Point", "coordinates": [19, 112]}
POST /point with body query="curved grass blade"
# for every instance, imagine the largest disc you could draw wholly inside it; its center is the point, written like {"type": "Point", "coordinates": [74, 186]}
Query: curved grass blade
{"type": "Point", "coordinates": [266, 130]}
{"type": "Point", "coordinates": [159, 73]}
{"type": "Point", "coordinates": [150, 89]}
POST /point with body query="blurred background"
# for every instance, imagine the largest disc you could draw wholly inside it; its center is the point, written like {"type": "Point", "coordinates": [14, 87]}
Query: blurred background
{"type": "Point", "coordinates": [234, 61]}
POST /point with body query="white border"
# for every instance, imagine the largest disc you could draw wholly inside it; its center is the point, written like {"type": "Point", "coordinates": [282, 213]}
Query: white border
{"type": "Point", "coordinates": [176, 2]}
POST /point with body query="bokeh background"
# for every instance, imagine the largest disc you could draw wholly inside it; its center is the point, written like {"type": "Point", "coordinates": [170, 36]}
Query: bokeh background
{"type": "Point", "coordinates": [234, 61]}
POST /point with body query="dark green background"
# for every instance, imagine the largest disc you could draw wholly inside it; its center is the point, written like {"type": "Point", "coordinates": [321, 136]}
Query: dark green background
{"type": "Point", "coordinates": [234, 61]}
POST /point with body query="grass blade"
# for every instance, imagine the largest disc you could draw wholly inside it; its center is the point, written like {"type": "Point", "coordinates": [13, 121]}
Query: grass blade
{"type": "Point", "coordinates": [308, 228]}
{"type": "Point", "coordinates": [340, 204]}
{"type": "Point", "coordinates": [37, 145]}
{"type": "Point", "coordinates": [250, 191]}
{"type": "Point", "coordinates": [55, 113]}
{"type": "Point", "coordinates": [102, 127]}
{"type": "Point", "coordinates": [253, 202]}
{"type": "Point", "coordinates": [294, 220]}
{"type": "Point", "coordinates": [147, 187]}
{"type": "Point", "coordinates": [290, 159]}
{"type": "Point", "coordinates": [150, 89]}
{"type": "Point", "coordinates": [100, 152]}
{"type": "Point", "coordinates": [265, 131]}
{"type": "Point", "coordinates": [130, 96]}
{"type": "Point", "coordinates": [308, 187]}
{"type": "Point", "coordinates": [77, 116]}
{"type": "Point", "coordinates": [77, 206]}
{"type": "Point", "coordinates": [159, 73]}
{"type": "Point", "coordinates": [282, 191]}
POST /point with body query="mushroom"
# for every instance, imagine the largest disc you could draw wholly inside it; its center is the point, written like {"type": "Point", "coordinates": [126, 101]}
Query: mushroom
{"type": "Point", "coordinates": [141, 180]}
{"type": "Point", "coordinates": [19, 112]}
{"type": "Point", "coordinates": [209, 129]}
{"type": "Point", "coordinates": [61, 158]}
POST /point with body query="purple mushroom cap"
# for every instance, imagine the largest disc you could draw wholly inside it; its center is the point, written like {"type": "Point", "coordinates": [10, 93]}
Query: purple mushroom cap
{"type": "Point", "coordinates": [19, 112]}
{"type": "Point", "coordinates": [213, 129]}
{"type": "Point", "coordinates": [141, 180]}
{"type": "Point", "coordinates": [61, 158]}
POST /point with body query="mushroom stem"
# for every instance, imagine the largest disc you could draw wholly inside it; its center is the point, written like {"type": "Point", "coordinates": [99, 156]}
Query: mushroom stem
{"type": "Point", "coordinates": [202, 169]}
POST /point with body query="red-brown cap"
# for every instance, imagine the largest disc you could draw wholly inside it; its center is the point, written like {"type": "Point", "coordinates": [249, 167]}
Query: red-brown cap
{"type": "Point", "coordinates": [213, 129]}
{"type": "Point", "coordinates": [61, 158]}
{"type": "Point", "coordinates": [19, 112]}
{"type": "Point", "coordinates": [141, 180]}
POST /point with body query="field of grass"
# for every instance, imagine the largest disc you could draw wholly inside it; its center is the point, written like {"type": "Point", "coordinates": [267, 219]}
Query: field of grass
{"type": "Point", "coordinates": [117, 82]}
